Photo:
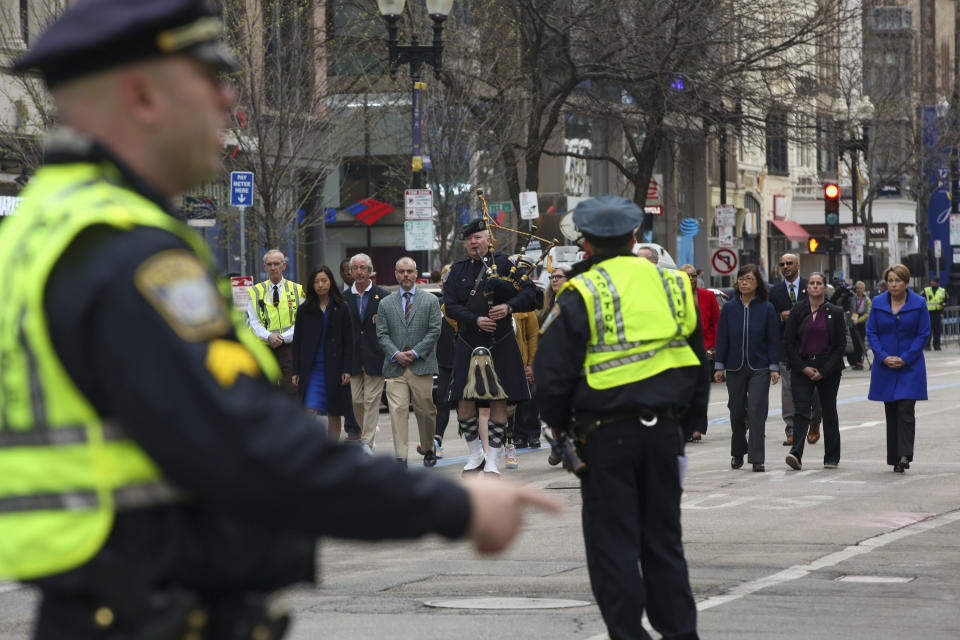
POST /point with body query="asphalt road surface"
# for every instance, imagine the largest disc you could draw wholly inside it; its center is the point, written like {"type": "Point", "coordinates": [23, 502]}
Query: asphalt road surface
{"type": "Point", "coordinates": [855, 553]}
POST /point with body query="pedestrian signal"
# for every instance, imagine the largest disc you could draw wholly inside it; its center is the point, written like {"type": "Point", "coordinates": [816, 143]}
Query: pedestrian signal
{"type": "Point", "coordinates": [815, 245]}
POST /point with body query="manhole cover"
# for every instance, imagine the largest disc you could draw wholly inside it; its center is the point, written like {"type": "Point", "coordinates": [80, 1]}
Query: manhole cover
{"type": "Point", "coordinates": [507, 603]}
{"type": "Point", "coordinates": [875, 579]}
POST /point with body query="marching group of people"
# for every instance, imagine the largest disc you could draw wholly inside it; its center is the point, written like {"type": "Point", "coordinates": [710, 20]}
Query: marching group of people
{"type": "Point", "coordinates": [340, 346]}
{"type": "Point", "coordinates": [792, 334]}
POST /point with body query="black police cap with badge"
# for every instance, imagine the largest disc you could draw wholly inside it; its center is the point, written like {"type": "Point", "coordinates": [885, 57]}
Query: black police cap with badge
{"type": "Point", "coordinates": [474, 226]}
{"type": "Point", "coordinates": [95, 35]}
{"type": "Point", "coordinates": [607, 216]}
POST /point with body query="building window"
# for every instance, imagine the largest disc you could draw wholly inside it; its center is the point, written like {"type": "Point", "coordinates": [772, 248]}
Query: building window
{"type": "Point", "coordinates": [827, 160]}
{"type": "Point", "coordinates": [777, 159]}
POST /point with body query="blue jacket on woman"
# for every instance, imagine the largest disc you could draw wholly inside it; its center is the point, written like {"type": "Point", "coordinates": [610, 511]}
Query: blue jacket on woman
{"type": "Point", "coordinates": [753, 331]}
{"type": "Point", "coordinates": [903, 335]}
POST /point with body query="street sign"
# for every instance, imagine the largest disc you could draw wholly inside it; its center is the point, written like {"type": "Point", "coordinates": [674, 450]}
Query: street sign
{"type": "Point", "coordinates": [725, 215]}
{"type": "Point", "coordinates": [856, 254]}
{"type": "Point", "coordinates": [202, 222]}
{"type": "Point", "coordinates": [723, 262]}
{"type": "Point", "coordinates": [418, 204]}
{"type": "Point", "coordinates": [240, 286]}
{"type": "Point", "coordinates": [529, 209]}
{"type": "Point", "coordinates": [856, 236]}
{"type": "Point", "coordinates": [937, 249]}
{"type": "Point", "coordinates": [418, 235]}
{"type": "Point", "coordinates": [241, 188]}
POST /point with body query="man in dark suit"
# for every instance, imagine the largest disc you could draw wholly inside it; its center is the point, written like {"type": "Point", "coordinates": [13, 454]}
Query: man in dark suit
{"type": "Point", "coordinates": [408, 327]}
{"type": "Point", "coordinates": [366, 379]}
{"type": "Point", "coordinates": [783, 295]}
{"type": "Point", "coordinates": [350, 422]}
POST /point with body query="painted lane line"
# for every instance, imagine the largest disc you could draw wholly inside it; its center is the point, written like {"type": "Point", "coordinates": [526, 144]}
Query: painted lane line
{"type": "Point", "coordinates": [829, 560]}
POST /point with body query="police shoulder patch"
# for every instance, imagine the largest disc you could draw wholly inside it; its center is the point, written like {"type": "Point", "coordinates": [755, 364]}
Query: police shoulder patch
{"type": "Point", "coordinates": [227, 359]}
{"type": "Point", "coordinates": [178, 286]}
{"type": "Point", "coordinates": [553, 315]}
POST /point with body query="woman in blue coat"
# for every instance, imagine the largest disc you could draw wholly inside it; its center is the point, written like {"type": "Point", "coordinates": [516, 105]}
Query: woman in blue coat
{"type": "Point", "coordinates": [897, 329]}
{"type": "Point", "coordinates": [748, 355]}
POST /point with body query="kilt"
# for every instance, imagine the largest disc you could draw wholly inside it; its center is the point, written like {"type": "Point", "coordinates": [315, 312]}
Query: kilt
{"type": "Point", "coordinates": [506, 362]}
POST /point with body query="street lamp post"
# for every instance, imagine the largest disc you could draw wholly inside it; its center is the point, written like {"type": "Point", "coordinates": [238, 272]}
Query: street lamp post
{"type": "Point", "coordinates": [857, 142]}
{"type": "Point", "coordinates": [415, 55]}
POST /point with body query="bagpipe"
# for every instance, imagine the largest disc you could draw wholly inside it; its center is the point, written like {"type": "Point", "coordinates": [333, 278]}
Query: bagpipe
{"type": "Point", "coordinates": [482, 381]}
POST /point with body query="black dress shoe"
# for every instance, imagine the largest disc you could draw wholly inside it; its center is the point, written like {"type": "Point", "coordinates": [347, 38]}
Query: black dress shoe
{"type": "Point", "coordinates": [758, 467]}
{"type": "Point", "coordinates": [904, 463]}
{"type": "Point", "coordinates": [736, 462]}
{"type": "Point", "coordinates": [430, 459]}
{"type": "Point", "coordinates": [897, 468]}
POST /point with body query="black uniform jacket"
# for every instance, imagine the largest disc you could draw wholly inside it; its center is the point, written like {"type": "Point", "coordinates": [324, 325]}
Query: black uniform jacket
{"type": "Point", "coordinates": [337, 345]}
{"type": "Point", "coordinates": [562, 390]}
{"type": "Point", "coordinates": [779, 297]}
{"type": "Point", "coordinates": [459, 305]}
{"type": "Point", "coordinates": [367, 355]}
{"type": "Point", "coordinates": [264, 481]}
{"type": "Point", "coordinates": [793, 337]}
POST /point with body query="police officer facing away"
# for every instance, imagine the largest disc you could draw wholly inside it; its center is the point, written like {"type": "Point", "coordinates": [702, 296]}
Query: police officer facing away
{"type": "Point", "coordinates": [618, 364]}
{"type": "Point", "coordinates": [936, 297]}
{"type": "Point", "coordinates": [155, 483]}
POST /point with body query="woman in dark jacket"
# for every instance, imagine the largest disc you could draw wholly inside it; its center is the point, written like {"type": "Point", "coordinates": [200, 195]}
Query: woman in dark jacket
{"type": "Point", "coordinates": [748, 355]}
{"type": "Point", "coordinates": [897, 329]}
{"type": "Point", "coordinates": [321, 350]}
{"type": "Point", "coordinates": [814, 340]}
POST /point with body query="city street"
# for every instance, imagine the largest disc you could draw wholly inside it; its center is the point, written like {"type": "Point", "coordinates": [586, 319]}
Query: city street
{"type": "Point", "coordinates": [855, 553]}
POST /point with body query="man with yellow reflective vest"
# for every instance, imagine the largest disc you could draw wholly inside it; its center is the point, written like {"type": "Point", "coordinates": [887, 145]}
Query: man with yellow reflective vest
{"type": "Point", "coordinates": [272, 311]}
{"type": "Point", "coordinates": [936, 300]}
{"type": "Point", "coordinates": [617, 368]}
{"type": "Point", "coordinates": [153, 482]}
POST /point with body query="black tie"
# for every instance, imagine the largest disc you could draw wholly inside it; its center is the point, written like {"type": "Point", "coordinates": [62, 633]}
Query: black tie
{"type": "Point", "coordinates": [276, 295]}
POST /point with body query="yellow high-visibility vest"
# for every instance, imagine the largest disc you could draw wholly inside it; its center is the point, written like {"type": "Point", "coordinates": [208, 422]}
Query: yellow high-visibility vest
{"type": "Point", "coordinates": [936, 299]}
{"type": "Point", "coordinates": [64, 472]}
{"type": "Point", "coordinates": [641, 316]}
{"type": "Point", "coordinates": [280, 318]}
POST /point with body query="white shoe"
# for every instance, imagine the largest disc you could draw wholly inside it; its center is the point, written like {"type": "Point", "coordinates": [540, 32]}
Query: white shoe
{"type": "Point", "coordinates": [475, 457]}
{"type": "Point", "coordinates": [512, 461]}
{"type": "Point", "coordinates": [366, 449]}
{"type": "Point", "coordinates": [492, 459]}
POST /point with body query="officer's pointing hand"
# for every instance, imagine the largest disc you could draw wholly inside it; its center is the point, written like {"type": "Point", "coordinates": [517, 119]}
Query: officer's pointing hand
{"type": "Point", "coordinates": [496, 509]}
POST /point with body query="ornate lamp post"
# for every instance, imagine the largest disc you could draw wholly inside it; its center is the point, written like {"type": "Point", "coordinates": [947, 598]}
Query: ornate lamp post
{"type": "Point", "coordinates": [415, 55]}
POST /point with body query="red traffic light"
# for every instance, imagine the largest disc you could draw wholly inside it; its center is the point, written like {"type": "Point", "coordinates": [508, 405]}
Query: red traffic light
{"type": "Point", "coordinates": [831, 191]}
{"type": "Point", "coordinates": [813, 244]}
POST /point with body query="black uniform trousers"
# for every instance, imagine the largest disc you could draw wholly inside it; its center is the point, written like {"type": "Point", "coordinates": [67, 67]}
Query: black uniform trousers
{"type": "Point", "coordinates": [936, 328]}
{"type": "Point", "coordinates": [901, 429]}
{"type": "Point", "coordinates": [443, 399]}
{"type": "Point", "coordinates": [631, 514]}
{"type": "Point", "coordinates": [826, 388]}
{"type": "Point", "coordinates": [858, 337]}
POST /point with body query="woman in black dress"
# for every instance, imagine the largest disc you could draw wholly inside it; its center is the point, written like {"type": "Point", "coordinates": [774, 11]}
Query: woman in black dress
{"type": "Point", "coordinates": [321, 353]}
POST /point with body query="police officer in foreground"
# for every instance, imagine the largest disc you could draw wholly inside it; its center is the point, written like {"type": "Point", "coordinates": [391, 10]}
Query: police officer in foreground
{"type": "Point", "coordinates": [618, 366]}
{"type": "Point", "coordinates": [154, 483]}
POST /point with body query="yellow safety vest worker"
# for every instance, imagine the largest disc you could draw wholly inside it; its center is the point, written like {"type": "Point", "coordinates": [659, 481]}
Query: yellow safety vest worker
{"type": "Point", "coordinates": [935, 299]}
{"type": "Point", "coordinates": [64, 472]}
{"type": "Point", "coordinates": [641, 316]}
{"type": "Point", "coordinates": [280, 318]}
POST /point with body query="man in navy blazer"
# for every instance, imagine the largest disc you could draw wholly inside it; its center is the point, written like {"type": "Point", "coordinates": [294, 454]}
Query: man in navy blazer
{"type": "Point", "coordinates": [366, 379]}
{"type": "Point", "coordinates": [783, 295]}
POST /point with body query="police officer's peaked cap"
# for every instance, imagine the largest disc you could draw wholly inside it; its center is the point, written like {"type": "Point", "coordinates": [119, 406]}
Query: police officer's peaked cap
{"type": "Point", "coordinates": [474, 226]}
{"type": "Point", "coordinates": [93, 35]}
{"type": "Point", "coordinates": [607, 216]}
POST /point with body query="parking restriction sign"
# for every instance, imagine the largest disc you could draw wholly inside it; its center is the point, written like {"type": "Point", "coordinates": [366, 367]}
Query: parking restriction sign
{"type": "Point", "coordinates": [723, 261]}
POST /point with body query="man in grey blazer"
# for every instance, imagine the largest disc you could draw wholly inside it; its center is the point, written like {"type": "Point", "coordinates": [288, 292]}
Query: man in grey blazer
{"type": "Point", "coordinates": [408, 327]}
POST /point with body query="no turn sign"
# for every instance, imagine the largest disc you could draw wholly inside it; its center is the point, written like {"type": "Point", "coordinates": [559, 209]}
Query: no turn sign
{"type": "Point", "coordinates": [723, 262]}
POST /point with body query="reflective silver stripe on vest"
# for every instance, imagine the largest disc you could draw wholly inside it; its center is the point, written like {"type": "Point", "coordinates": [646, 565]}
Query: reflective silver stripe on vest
{"type": "Point", "coordinates": [42, 435]}
{"type": "Point", "coordinates": [286, 291]}
{"type": "Point", "coordinates": [617, 315]}
{"type": "Point", "coordinates": [621, 346]}
{"type": "Point", "coordinates": [597, 307]}
{"type": "Point", "coordinates": [132, 497]}
{"type": "Point", "coordinates": [673, 308]}
{"type": "Point", "coordinates": [33, 375]}
{"type": "Point", "coordinates": [635, 357]}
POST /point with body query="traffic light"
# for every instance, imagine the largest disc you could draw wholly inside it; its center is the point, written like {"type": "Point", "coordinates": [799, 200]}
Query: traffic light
{"type": "Point", "coordinates": [816, 245]}
{"type": "Point", "coordinates": [831, 204]}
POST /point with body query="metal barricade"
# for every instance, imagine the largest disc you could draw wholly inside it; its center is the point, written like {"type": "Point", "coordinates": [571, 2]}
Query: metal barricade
{"type": "Point", "coordinates": [951, 326]}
